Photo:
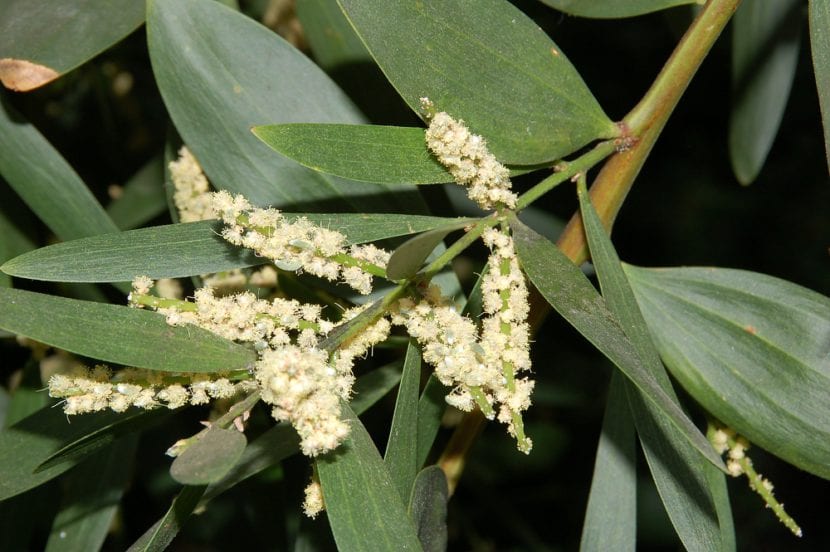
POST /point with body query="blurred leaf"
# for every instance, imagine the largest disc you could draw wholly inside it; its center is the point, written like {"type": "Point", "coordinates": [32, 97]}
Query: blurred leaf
{"type": "Point", "coordinates": [820, 46]}
{"type": "Point", "coordinates": [281, 441]}
{"type": "Point", "coordinates": [220, 73]}
{"type": "Point", "coordinates": [40, 41]}
{"type": "Point", "coordinates": [112, 333]}
{"type": "Point", "coordinates": [688, 487]}
{"type": "Point", "coordinates": [409, 257]}
{"type": "Point", "coordinates": [402, 446]}
{"type": "Point", "coordinates": [91, 497]}
{"type": "Point", "coordinates": [570, 293]}
{"type": "Point", "coordinates": [368, 153]}
{"type": "Point", "coordinates": [327, 30]}
{"type": "Point", "coordinates": [611, 516]}
{"type": "Point", "coordinates": [611, 9]}
{"type": "Point", "coordinates": [159, 536]}
{"type": "Point", "coordinates": [176, 250]}
{"type": "Point", "coordinates": [210, 458]}
{"type": "Point", "coordinates": [428, 508]}
{"type": "Point", "coordinates": [363, 507]}
{"type": "Point", "coordinates": [13, 242]}
{"type": "Point", "coordinates": [25, 445]}
{"type": "Point", "coordinates": [142, 198]}
{"type": "Point", "coordinates": [534, 107]}
{"type": "Point", "coordinates": [28, 396]}
{"type": "Point", "coordinates": [752, 349]}
{"type": "Point", "coordinates": [46, 182]}
{"type": "Point", "coordinates": [77, 449]}
{"type": "Point", "coordinates": [765, 41]}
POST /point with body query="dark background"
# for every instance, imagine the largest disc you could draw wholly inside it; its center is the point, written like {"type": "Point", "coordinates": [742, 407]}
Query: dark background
{"type": "Point", "coordinates": [686, 208]}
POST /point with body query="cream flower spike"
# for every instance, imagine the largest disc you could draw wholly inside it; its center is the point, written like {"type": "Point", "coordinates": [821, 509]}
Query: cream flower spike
{"type": "Point", "coordinates": [466, 157]}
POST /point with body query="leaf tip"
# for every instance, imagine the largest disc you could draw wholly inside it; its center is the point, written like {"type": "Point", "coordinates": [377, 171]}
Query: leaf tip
{"type": "Point", "coordinates": [21, 75]}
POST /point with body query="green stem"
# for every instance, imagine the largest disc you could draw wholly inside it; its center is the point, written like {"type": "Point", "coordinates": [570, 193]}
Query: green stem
{"type": "Point", "coordinates": [566, 170]}
{"type": "Point", "coordinates": [460, 245]}
{"type": "Point", "coordinates": [645, 122]}
{"type": "Point", "coordinates": [347, 260]}
{"type": "Point", "coordinates": [162, 303]}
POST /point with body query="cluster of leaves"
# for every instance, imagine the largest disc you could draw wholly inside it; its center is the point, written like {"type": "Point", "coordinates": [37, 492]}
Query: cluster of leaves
{"type": "Point", "coordinates": [749, 349]}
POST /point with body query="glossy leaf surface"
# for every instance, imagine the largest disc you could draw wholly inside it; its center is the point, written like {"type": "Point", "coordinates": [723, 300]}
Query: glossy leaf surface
{"type": "Point", "coordinates": [612, 9]}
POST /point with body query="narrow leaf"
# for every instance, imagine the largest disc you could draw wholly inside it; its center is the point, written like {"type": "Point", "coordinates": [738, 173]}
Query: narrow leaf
{"type": "Point", "coordinates": [45, 181]}
{"type": "Point", "coordinates": [28, 396]}
{"type": "Point", "coordinates": [765, 42]}
{"type": "Point", "coordinates": [159, 536]}
{"type": "Point", "coordinates": [363, 506]}
{"type": "Point", "coordinates": [535, 107]}
{"type": "Point", "coordinates": [752, 349]}
{"type": "Point", "coordinates": [687, 487]}
{"type": "Point", "coordinates": [402, 447]}
{"type": "Point", "coordinates": [142, 198]}
{"type": "Point", "coordinates": [25, 445]}
{"type": "Point", "coordinates": [570, 293]}
{"type": "Point", "coordinates": [176, 250]}
{"type": "Point", "coordinates": [34, 54]}
{"type": "Point", "coordinates": [428, 508]}
{"type": "Point", "coordinates": [613, 9]}
{"type": "Point", "coordinates": [91, 498]}
{"type": "Point", "coordinates": [611, 517]}
{"type": "Point", "coordinates": [220, 73]}
{"type": "Point", "coordinates": [124, 335]}
{"type": "Point", "coordinates": [820, 47]}
{"type": "Point", "coordinates": [368, 153]}
{"type": "Point", "coordinates": [77, 449]}
{"type": "Point", "coordinates": [210, 458]}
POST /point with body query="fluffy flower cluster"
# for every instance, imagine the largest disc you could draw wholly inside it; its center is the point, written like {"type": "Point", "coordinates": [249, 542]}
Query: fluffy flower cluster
{"type": "Point", "coordinates": [296, 377]}
{"type": "Point", "coordinates": [86, 390]}
{"type": "Point", "coordinates": [466, 157]}
{"type": "Point", "coordinates": [298, 244]}
{"type": "Point", "coordinates": [191, 188]}
{"type": "Point", "coordinates": [480, 369]}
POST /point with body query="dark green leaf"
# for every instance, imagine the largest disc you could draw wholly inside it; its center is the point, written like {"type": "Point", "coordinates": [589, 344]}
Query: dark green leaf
{"type": "Point", "coordinates": [46, 182]}
{"type": "Point", "coordinates": [428, 508]}
{"type": "Point", "coordinates": [220, 73]}
{"type": "Point", "coordinates": [687, 487]}
{"type": "Point", "coordinates": [159, 536]}
{"type": "Point", "coordinates": [820, 47]}
{"type": "Point", "coordinates": [40, 41]}
{"type": "Point", "coordinates": [210, 458]}
{"type": "Point", "coordinates": [281, 441]}
{"type": "Point", "coordinates": [752, 349]}
{"type": "Point", "coordinates": [77, 449]}
{"type": "Point", "coordinates": [142, 198]}
{"type": "Point", "coordinates": [368, 153]}
{"type": "Point", "coordinates": [402, 447]}
{"type": "Point", "coordinates": [611, 517]}
{"type": "Point", "coordinates": [765, 42]}
{"type": "Point", "coordinates": [612, 9]}
{"type": "Point", "coordinates": [25, 445]}
{"type": "Point", "coordinates": [112, 333]}
{"type": "Point", "coordinates": [13, 242]}
{"type": "Point", "coordinates": [409, 257]}
{"type": "Point", "coordinates": [177, 250]}
{"type": "Point", "coordinates": [364, 508]}
{"type": "Point", "coordinates": [570, 293]}
{"type": "Point", "coordinates": [498, 72]}
{"type": "Point", "coordinates": [91, 498]}
{"type": "Point", "coordinates": [327, 30]}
